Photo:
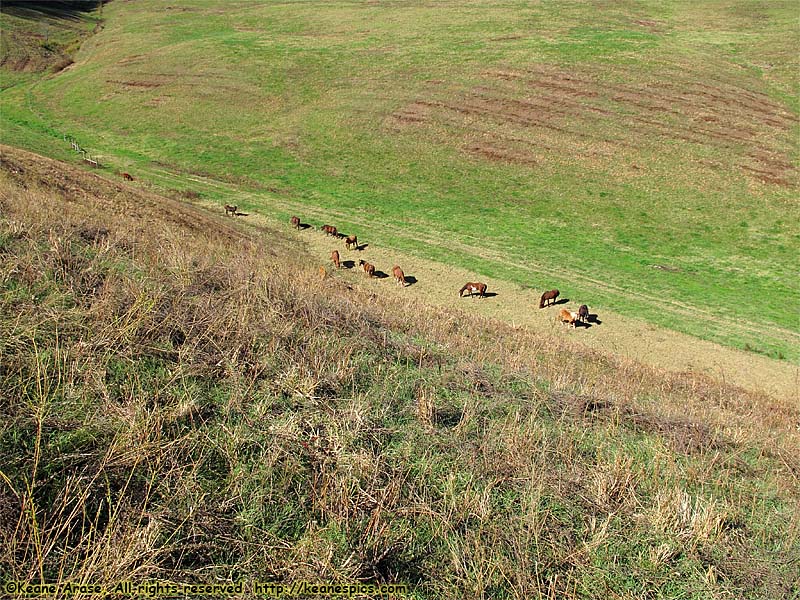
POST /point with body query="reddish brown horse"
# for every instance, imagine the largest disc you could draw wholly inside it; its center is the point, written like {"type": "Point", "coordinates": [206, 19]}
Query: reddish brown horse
{"type": "Point", "coordinates": [568, 317]}
{"type": "Point", "coordinates": [127, 177]}
{"type": "Point", "coordinates": [351, 241]}
{"type": "Point", "coordinates": [330, 230]}
{"type": "Point", "coordinates": [335, 258]}
{"type": "Point", "coordinates": [548, 298]}
{"type": "Point", "coordinates": [231, 209]}
{"type": "Point", "coordinates": [295, 222]}
{"type": "Point", "coordinates": [368, 268]}
{"type": "Point", "coordinates": [399, 276]}
{"type": "Point", "coordinates": [472, 288]}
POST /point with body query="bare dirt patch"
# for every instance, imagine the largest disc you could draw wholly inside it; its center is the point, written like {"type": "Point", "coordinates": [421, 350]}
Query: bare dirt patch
{"type": "Point", "coordinates": [136, 84]}
{"type": "Point", "coordinates": [416, 112]}
{"type": "Point", "coordinates": [582, 107]}
{"type": "Point", "coordinates": [506, 38]}
{"type": "Point", "coordinates": [650, 25]}
{"type": "Point", "coordinates": [500, 154]}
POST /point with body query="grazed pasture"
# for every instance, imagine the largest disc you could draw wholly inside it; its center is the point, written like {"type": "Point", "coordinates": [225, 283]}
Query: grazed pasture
{"type": "Point", "coordinates": [642, 155]}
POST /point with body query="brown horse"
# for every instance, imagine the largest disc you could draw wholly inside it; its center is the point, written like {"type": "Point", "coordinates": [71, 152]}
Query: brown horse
{"type": "Point", "coordinates": [399, 276]}
{"type": "Point", "coordinates": [583, 313]}
{"type": "Point", "coordinates": [231, 209]}
{"type": "Point", "coordinates": [548, 298]}
{"type": "Point", "coordinates": [368, 268]}
{"type": "Point", "coordinates": [472, 288]}
{"type": "Point", "coordinates": [295, 222]}
{"type": "Point", "coordinates": [330, 230]}
{"type": "Point", "coordinates": [568, 317]}
{"type": "Point", "coordinates": [351, 241]}
{"type": "Point", "coordinates": [127, 177]}
{"type": "Point", "coordinates": [335, 258]}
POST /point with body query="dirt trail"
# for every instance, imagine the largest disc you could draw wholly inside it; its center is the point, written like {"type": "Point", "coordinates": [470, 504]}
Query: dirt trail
{"type": "Point", "coordinates": [535, 272]}
{"type": "Point", "coordinates": [615, 334]}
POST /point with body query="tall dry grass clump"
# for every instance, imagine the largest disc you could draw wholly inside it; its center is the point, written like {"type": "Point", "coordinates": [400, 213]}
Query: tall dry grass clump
{"type": "Point", "coordinates": [181, 401]}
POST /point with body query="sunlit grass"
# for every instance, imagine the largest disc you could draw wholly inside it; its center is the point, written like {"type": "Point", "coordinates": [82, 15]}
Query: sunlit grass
{"type": "Point", "coordinates": [301, 98]}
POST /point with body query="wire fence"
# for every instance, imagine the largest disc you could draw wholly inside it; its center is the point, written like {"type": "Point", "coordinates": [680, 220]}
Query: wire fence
{"type": "Point", "coordinates": [87, 158]}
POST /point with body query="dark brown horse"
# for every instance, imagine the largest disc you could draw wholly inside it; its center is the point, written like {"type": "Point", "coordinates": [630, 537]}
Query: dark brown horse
{"type": "Point", "coordinates": [399, 276]}
{"type": "Point", "coordinates": [127, 177]}
{"type": "Point", "coordinates": [548, 298]}
{"type": "Point", "coordinates": [231, 209]}
{"type": "Point", "coordinates": [330, 230]}
{"type": "Point", "coordinates": [335, 258]}
{"type": "Point", "coordinates": [583, 313]}
{"type": "Point", "coordinates": [368, 268]}
{"type": "Point", "coordinates": [295, 222]}
{"type": "Point", "coordinates": [351, 240]}
{"type": "Point", "coordinates": [472, 288]}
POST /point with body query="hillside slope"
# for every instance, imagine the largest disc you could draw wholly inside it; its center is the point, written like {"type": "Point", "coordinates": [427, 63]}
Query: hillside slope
{"type": "Point", "coordinates": [642, 155]}
{"type": "Point", "coordinates": [183, 398]}
{"type": "Point", "coordinates": [609, 333]}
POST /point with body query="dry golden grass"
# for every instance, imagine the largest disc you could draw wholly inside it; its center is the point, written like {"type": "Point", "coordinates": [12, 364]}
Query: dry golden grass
{"type": "Point", "coordinates": [184, 401]}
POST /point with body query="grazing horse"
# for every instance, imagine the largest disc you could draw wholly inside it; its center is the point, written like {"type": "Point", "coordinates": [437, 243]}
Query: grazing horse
{"type": "Point", "coordinates": [295, 222]}
{"type": "Point", "coordinates": [399, 276]}
{"type": "Point", "coordinates": [583, 313]}
{"type": "Point", "coordinates": [127, 177]}
{"type": "Point", "coordinates": [548, 298]}
{"type": "Point", "coordinates": [335, 258]}
{"type": "Point", "coordinates": [472, 288]}
{"type": "Point", "coordinates": [368, 268]}
{"type": "Point", "coordinates": [567, 316]}
{"type": "Point", "coordinates": [231, 209]}
{"type": "Point", "coordinates": [330, 230]}
{"type": "Point", "coordinates": [351, 241]}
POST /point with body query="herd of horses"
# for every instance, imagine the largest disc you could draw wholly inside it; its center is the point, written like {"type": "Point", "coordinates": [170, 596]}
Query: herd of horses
{"type": "Point", "coordinates": [351, 243]}
{"type": "Point", "coordinates": [471, 288]}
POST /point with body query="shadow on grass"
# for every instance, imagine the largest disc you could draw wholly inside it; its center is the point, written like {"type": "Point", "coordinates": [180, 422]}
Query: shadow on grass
{"type": "Point", "coordinates": [34, 10]}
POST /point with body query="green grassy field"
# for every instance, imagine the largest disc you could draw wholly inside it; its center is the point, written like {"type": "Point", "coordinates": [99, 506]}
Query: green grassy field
{"type": "Point", "coordinates": [640, 156]}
